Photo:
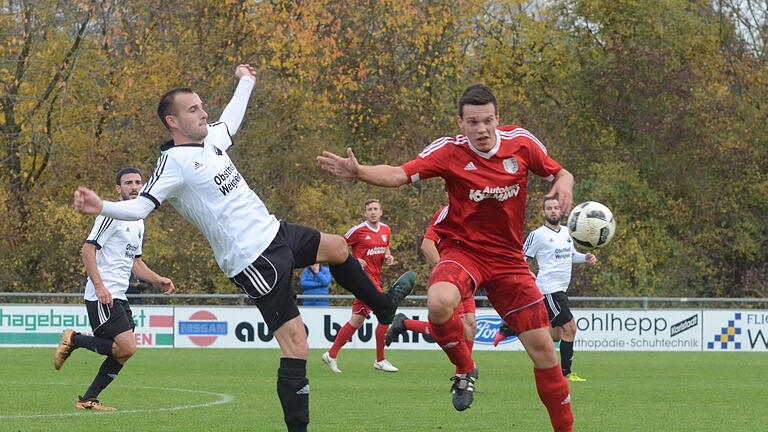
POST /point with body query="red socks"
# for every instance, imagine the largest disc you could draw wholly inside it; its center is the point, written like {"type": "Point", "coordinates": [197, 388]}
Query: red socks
{"type": "Point", "coordinates": [554, 393]}
{"type": "Point", "coordinates": [381, 333]}
{"type": "Point", "coordinates": [417, 326]}
{"type": "Point", "coordinates": [450, 336]}
{"type": "Point", "coordinates": [342, 337]}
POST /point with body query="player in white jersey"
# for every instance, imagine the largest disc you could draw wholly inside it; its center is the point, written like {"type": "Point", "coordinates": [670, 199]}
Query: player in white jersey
{"type": "Point", "coordinates": [555, 254]}
{"type": "Point", "coordinates": [256, 251]}
{"type": "Point", "coordinates": [110, 254]}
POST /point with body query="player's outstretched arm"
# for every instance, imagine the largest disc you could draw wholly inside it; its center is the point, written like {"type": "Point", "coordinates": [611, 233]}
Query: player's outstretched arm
{"type": "Point", "coordinates": [348, 167]}
{"type": "Point", "coordinates": [143, 272]}
{"type": "Point", "coordinates": [87, 201]}
{"type": "Point", "coordinates": [234, 112]}
{"type": "Point", "coordinates": [562, 187]}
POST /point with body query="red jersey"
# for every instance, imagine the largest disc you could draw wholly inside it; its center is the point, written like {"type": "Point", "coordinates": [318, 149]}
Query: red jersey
{"type": "Point", "coordinates": [438, 217]}
{"type": "Point", "coordinates": [369, 245]}
{"type": "Point", "coordinates": [486, 190]}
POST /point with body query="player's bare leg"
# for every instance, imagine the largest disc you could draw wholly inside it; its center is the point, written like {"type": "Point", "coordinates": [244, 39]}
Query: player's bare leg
{"type": "Point", "coordinates": [551, 385]}
{"type": "Point", "coordinates": [292, 382]}
{"type": "Point", "coordinates": [447, 329]}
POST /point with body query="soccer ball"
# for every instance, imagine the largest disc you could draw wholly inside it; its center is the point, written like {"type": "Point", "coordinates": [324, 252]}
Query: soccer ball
{"type": "Point", "coordinates": [591, 225]}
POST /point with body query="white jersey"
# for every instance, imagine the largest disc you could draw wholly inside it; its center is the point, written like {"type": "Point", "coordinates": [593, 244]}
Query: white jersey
{"type": "Point", "coordinates": [554, 253]}
{"type": "Point", "coordinates": [117, 244]}
{"type": "Point", "coordinates": [201, 182]}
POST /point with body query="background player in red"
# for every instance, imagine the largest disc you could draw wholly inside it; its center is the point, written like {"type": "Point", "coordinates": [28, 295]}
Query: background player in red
{"type": "Point", "coordinates": [369, 241]}
{"type": "Point", "coordinates": [486, 175]}
{"type": "Point", "coordinates": [467, 307]}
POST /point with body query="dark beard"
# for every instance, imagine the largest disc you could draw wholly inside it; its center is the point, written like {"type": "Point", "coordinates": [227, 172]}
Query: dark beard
{"type": "Point", "coordinates": [553, 221]}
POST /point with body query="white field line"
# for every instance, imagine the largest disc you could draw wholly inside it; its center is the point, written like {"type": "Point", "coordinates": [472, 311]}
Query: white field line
{"type": "Point", "coordinates": [223, 398]}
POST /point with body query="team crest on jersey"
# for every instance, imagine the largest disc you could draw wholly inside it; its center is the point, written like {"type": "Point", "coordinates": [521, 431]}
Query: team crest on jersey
{"type": "Point", "coordinates": [383, 237]}
{"type": "Point", "coordinates": [510, 165]}
{"type": "Point", "coordinates": [218, 152]}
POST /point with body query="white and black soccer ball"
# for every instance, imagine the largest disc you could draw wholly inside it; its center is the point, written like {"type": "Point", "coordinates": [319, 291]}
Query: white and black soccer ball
{"type": "Point", "coordinates": [591, 225]}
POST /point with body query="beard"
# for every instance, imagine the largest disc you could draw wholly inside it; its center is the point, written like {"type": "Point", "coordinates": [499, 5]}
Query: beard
{"type": "Point", "coordinates": [553, 221]}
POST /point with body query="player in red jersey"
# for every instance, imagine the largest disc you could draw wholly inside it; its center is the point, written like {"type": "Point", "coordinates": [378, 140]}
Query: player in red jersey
{"type": "Point", "coordinates": [486, 175]}
{"type": "Point", "coordinates": [369, 241]}
{"type": "Point", "coordinates": [467, 307]}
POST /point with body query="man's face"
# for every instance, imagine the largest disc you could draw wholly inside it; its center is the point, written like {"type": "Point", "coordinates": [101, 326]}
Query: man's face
{"type": "Point", "coordinates": [479, 122]}
{"type": "Point", "coordinates": [552, 212]}
{"type": "Point", "coordinates": [129, 186]}
{"type": "Point", "coordinates": [190, 118]}
{"type": "Point", "coordinates": [373, 213]}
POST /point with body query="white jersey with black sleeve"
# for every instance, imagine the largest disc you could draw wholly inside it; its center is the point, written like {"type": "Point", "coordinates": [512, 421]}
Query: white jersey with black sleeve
{"type": "Point", "coordinates": [117, 244]}
{"type": "Point", "coordinates": [554, 253]}
{"type": "Point", "coordinates": [201, 182]}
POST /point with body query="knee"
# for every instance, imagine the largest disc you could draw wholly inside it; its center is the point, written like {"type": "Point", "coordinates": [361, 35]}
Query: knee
{"type": "Point", "coordinates": [336, 249]}
{"type": "Point", "coordinates": [123, 351]}
{"type": "Point", "coordinates": [440, 308]}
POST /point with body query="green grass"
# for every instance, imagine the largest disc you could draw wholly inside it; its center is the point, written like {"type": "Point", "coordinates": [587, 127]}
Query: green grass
{"type": "Point", "coordinates": [625, 392]}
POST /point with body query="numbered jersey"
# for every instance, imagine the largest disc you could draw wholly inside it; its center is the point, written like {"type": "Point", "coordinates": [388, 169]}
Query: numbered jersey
{"type": "Point", "coordinates": [371, 246]}
{"type": "Point", "coordinates": [117, 244]}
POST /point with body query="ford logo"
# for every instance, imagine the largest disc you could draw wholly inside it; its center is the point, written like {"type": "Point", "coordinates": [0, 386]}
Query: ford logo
{"type": "Point", "coordinates": [487, 326]}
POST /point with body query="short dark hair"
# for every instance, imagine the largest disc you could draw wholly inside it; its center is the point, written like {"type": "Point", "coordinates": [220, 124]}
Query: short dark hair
{"type": "Point", "coordinates": [544, 202]}
{"type": "Point", "coordinates": [166, 106]}
{"type": "Point", "coordinates": [477, 94]}
{"type": "Point", "coordinates": [125, 171]}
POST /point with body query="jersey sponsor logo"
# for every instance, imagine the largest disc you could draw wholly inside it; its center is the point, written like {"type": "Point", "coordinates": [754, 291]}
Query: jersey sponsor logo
{"type": "Point", "coordinates": [376, 251]}
{"type": "Point", "coordinates": [562, 253]}
{"type": "Point", "coordinates": [130, 250]}
{"type": "Point", "coordinates": [499, 193]}
{"type": "Point", "coordinates": [487, 327]}
{"type": "Point", "coordinates": [510, 165]}
{"type": "Point", "coordinates": [228, 179]}
{"type": "Point", "coordinates": [470, 166]}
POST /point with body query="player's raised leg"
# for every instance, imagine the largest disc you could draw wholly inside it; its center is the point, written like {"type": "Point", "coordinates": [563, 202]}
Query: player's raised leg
{"type": "Point", "coordinates": [348, 273]}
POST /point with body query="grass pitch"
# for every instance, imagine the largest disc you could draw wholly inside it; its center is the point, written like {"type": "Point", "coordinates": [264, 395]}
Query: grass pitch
{"type": "Point", "coordinates": [234, 390]}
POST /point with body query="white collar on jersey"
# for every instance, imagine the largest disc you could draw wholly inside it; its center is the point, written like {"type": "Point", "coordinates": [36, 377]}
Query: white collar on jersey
{"type": "Point", "coordinates": [372, 228]}
{"type": "Point", "coordinates": [489, 154]}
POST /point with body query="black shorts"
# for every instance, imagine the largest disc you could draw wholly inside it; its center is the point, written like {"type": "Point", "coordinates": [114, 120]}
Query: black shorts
{"type": "Point", "coordinates": [108, 322]}
{"type": "Point", "coordinates": [269, 279]}
{"type": "Point", "coordinates": [558, 308]}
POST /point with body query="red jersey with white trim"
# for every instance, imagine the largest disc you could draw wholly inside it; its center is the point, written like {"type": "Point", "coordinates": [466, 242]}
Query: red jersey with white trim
{"type": "Point", "coordinates": [371, 246]}
{"type": "Point", "coordinates": [486, 190]}
{"type": "Point", "coordinates": [438, 217]}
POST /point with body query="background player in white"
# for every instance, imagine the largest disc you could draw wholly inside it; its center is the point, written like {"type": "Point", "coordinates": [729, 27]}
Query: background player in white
{"type": "Point", "coordinates": [369, 241]}
{"type": "Point", "coordinates": [111, 252]}
{"type": "Point", "coordinates": [553, 249]}
{"type": "Point", "coordinates": [256, 251]}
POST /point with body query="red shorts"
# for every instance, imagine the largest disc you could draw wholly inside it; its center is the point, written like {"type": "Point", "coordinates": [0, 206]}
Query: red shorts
{"type": "Point", "coordinates": [360, 308]}
{"type": "Point", "coordinates": [509, 285]}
